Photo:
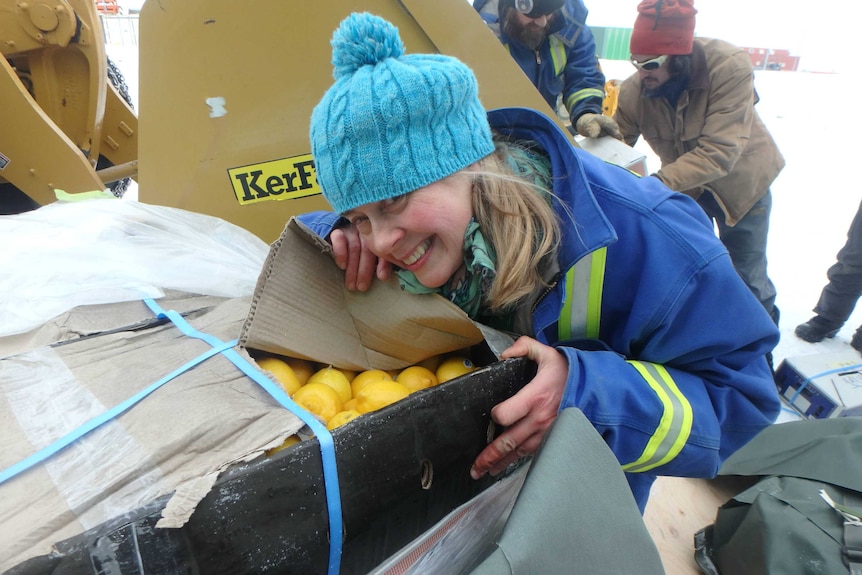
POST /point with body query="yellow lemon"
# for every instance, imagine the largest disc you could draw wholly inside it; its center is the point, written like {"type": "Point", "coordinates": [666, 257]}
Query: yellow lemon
{"type": "Point", "coordinates": [453, 367]}
{"type": "Point", "coordinates": [319, 399]}
{"type": "Point", "coordinates": [364, 378]}
{"type": "Point", "coordinates": [291, 440]}
{"type": "Point", "coordinates": [303, 368]}
{"type": "Point", "coordinates": [282, 372]}
{"type": "Point", "coordinates": [378, 394]}
{"type": "Point", "coordinates": [341, 418]}
{"type": "Point", "coordinates": [349, 405]}
{"type": "Point", "coordinates": [416, 377]}
{"type": "Point", "coordinates": [335, 379]}
{"type": "Point", "coordinates": [348, 373]}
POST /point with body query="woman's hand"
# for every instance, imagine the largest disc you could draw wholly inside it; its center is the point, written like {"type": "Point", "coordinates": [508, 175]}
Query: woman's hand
{"type": "Point", "coordinates": [357, 261]}
{"type": "Point", "coordinates": [529, 413]}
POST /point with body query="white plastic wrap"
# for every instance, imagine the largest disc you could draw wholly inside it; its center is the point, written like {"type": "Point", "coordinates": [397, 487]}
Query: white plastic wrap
{"type": "Point", "coordinates": [67, 254]}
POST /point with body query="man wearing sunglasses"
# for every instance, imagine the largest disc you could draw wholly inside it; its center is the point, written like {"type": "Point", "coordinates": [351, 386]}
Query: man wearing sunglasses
{"type": "Point", "coordinates": [550, 41]}
{"type": "Point", "coordinates": [693, 101]}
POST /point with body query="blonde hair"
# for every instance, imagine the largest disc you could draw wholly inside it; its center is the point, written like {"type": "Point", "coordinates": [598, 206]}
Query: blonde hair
{"type": "Point", "coordinates": [516, 217]}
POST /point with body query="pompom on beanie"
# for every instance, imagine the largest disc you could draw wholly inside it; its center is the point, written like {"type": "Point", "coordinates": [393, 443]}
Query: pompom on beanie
{"type": "Point", "coordinates": [392, 122]}
{"type": "Point", "coordinates": [663, 27]}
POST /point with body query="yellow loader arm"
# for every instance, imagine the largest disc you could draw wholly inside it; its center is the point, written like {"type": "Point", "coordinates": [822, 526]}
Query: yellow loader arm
{"type": "Point", "coordinates": [60, 114]}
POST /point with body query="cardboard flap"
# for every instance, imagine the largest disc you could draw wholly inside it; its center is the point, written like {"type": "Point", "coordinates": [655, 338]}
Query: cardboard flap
{"type": "Point", "coordinates": [301, 308]}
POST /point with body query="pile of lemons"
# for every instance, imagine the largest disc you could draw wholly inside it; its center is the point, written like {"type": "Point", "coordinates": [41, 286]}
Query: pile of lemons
{"type": "Point", "coordinates": [337, 396]}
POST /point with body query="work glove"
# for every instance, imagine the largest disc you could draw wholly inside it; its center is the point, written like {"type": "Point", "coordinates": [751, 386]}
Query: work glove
{"type": "Point", "coordinates": [595, 125]}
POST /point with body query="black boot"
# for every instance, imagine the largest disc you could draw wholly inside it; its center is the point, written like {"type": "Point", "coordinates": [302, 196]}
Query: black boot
{"type": "Point", "coordinates": [856, 340]}
{"type": "Point", "coordinates": [819, 328]}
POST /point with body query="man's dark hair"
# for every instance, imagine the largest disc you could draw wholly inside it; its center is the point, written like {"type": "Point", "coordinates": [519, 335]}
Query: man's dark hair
{"type": "Point", "coordinates": [679, 65]}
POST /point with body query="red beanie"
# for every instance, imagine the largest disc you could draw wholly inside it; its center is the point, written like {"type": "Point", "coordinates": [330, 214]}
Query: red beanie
{"type": "Point", "coordinates": [663, 27]}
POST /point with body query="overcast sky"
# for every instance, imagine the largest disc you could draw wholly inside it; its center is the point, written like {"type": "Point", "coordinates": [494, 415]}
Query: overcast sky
{"type": "Point", "coordinates": [818, 32]}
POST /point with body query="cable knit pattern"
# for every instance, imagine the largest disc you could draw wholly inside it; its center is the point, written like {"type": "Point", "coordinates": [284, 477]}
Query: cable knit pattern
{"type": "Point", "coordinates": [392, 122]}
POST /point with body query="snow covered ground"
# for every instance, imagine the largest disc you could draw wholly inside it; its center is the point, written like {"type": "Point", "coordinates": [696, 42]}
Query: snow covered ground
{"type": "Point", "coordinates": [814, 198]}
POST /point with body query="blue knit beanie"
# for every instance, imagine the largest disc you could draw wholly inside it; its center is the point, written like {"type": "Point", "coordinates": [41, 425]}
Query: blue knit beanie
{"type": "Point", "coordinates": [392, 122]}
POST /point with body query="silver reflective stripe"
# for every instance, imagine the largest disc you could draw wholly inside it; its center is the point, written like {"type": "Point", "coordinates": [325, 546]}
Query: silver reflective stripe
{"type": "Point", "coordinates": [580, 315]}
{"type": "Point", "coordinates": [675, 425]}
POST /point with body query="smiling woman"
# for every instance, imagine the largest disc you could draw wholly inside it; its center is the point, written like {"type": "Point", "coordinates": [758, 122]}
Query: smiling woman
{"type": "Point", "coordinates": [607, 277]}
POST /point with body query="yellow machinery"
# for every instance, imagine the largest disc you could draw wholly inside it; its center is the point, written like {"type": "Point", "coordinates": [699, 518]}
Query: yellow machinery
{"type": "Point", "coordinates": [61, 118]}
{"type": "Point", "coordinates": [226, 90]}
{"type": "Point", "coordinates": [612, 95]}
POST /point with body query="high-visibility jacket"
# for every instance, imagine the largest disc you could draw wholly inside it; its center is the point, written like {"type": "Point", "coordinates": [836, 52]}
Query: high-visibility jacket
{"type": "Point", "coordinates": [667, 356]}
{"type": "Point", "coordinates": [565, 64]}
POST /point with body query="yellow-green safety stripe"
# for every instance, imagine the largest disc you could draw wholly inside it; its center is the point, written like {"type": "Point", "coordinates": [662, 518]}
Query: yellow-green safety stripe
{"type": "Point", "coordinates": [674, 427]}
{"type": "Point", "coordinates": [580, 317]}
{"type": "Point", "coordinates": [558, 54]}
{"type": "Point", "coordinates": [582, 309]}
{"type": "Point", "coordinates": [576, 97]}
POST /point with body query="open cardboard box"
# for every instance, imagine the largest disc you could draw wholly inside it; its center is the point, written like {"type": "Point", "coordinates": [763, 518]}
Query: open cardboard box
{"type": "Point", "coordinates": [188, 457]}
{"type": "Point", "coordinates": [302, 309]}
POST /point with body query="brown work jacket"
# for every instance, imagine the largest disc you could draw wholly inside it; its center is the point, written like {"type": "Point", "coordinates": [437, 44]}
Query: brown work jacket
{"type": "Point", "coordinates": [714, 140]}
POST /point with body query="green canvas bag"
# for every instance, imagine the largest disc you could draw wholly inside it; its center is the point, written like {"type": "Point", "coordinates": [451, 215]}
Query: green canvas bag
{"type": "Point", "coordinates": [801, 514]}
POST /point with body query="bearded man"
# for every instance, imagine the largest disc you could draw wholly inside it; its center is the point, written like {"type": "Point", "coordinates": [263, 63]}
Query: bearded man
{"type": "Point", "coordinates": [550, 41]}
{"type": "Point", "coordinates": [693, 100]}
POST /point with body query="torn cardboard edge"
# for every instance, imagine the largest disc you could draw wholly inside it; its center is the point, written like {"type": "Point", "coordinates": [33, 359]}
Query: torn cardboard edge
{"type": "Point", "coordinates": [94, 320]}
{"type": "Point", "coordinates": [314, 316]}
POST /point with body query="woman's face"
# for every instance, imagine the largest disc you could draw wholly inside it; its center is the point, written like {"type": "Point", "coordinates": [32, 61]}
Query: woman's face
{"type": "Point", "coordinates": [422, 231]}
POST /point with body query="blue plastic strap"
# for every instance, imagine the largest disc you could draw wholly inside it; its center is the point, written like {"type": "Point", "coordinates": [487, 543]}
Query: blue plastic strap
{"type": "Point", "coordinates": [106, 416]}
{"type": "Point", "coordinates": [327, 446]}
{"type": "Point", "coordinates": [324, 437]}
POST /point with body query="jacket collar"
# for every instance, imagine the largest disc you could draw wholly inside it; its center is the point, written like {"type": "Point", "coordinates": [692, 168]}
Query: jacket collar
{"type": "Point", "coordinates": [699, 70]}
{"type": "Point", "coordinates": [591, 229]}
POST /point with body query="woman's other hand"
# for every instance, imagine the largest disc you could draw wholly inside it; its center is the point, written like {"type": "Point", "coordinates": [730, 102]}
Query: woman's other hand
{"type": "Point", "coordinates": [528, 414]}
{"type": "Point", "coordinates": [357, 261]}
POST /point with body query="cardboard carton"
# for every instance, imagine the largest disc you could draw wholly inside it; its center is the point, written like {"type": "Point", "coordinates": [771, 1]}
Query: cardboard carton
{"type": "Point", "coordinates": [401, 469]}
{"type": "Point", "coordinates": [141, 486]}
{"type": "Point", "coordinates": [615, 152]}
{"type": "Point", "coordinates": [178, 439]}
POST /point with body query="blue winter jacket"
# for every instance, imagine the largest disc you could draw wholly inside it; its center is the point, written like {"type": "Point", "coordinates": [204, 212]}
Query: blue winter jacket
{"type": "Point", "coordinates": [566, 63]}
{"type": "Point", "coordinates": [679, 381]}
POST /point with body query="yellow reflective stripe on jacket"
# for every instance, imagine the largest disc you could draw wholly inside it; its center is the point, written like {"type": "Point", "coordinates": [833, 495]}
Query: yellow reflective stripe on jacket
{"type": "Point", "coordinates": [576, 97]}
{"type": "Point", "coordinates": [558, 54]}
{"type": "Point", "coordinates": [581, 313]}
{"type": "Point", "coordinates": [675, 425]}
